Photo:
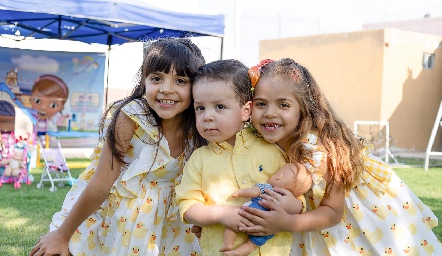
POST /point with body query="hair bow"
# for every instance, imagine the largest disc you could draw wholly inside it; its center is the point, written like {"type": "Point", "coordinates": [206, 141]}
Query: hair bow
{"type": "Point", "coordinates": [255, 72]}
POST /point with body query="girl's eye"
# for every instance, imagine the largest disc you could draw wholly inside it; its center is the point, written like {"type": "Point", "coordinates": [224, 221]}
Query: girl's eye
{"type": "Point", "coordinates": [181, 81]}
{"type": "Point", "coordinates": [36, 100]}
{"type": "Point", "coordinates": [155, 79]}
{"type": "Point", "coordinates": [285, 105]}
{"type": "Point", "coordinates": [53, 105]}
{"type": "Point", "coordinates": [219, 106]}
{"type": "Point", "coordinates": [199, 108]}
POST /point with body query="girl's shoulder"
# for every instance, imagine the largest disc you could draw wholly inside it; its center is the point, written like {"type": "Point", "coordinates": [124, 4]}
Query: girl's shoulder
{"type": "Point", "coordinates": [138, 111]}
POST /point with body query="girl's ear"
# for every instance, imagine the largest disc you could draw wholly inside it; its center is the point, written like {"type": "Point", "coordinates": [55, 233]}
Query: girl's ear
{"type": "Point", "coordinates": [246, 111]}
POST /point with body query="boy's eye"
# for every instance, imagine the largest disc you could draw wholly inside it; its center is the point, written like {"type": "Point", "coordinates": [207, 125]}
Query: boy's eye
{"type": "Point", "coordinates": [219, 106]}
{"type": "Point", "coordinates": [53, 105]}
{"type": "Point", "coordinates": [36, 100]}
{"type": "Point", "coordinates": [199, 108]}
{"type": "Point", "coordinates": [259, 104]}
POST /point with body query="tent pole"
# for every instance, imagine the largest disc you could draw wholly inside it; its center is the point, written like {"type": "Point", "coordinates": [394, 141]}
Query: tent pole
{"type": "Point", "coordinates": [107, 77]}
{"type": "Point", "coordinates": [222, 46]}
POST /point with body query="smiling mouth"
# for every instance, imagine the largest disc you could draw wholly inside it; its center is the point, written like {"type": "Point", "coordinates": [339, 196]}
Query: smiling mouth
{"type": "Point", "coordinates": [167, 102]}
{"type": "Point", "coordinates": [271, 126]}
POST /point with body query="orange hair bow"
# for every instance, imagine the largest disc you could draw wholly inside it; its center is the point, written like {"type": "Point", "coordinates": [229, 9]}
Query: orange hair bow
{"type": "Point", "coordinates": [255, 72]}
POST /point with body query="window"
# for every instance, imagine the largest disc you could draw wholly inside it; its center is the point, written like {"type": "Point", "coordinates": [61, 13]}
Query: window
{"type": "Point", "coordinates": [428, 61]}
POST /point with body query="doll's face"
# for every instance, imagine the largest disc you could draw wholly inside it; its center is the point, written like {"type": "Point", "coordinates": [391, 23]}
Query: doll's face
{"type": "Point", "coordinates": [285, 177]}
{"type": "Point", "coordinates": [46, 106]}
{"type": "Point", "coordinates": [18, 155]}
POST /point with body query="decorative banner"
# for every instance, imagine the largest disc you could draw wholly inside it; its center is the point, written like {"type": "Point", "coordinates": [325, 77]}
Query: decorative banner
{"type": "Point", "coordinates": [63, 90]}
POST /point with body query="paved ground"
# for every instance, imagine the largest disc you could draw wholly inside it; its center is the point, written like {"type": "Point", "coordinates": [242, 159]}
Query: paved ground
{"type": "Point", "coordinates": [77, 152]}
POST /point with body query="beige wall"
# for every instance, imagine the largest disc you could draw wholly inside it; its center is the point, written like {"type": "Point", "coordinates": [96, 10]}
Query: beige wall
{"type": "Point", "coordinates": [415, 92]}
{"type": "Point", "coordinates": [373, 75]}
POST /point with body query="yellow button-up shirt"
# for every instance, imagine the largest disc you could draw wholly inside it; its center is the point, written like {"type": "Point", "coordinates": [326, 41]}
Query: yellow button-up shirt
{"type": "Point", "coordinates": [215, 171]}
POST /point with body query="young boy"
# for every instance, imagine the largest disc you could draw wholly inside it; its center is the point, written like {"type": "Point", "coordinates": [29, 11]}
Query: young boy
{"type": "Point", "coordinates": [234, 159]}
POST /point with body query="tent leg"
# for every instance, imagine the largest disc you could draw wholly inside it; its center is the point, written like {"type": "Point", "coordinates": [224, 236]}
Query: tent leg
{"type": "Point", "coordinates": [107, 77]}
{"type": "Point", "coordinates": [222, 47]}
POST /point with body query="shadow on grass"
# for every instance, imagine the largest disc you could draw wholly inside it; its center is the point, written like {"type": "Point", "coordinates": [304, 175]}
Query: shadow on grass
{"type": "Point", "coordinates": [27, 212]}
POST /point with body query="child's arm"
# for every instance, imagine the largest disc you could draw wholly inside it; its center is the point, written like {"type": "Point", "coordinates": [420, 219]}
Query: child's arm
{"type": "Point", "coordinates": [284, 197]}
{"type": "Point", "coordinates": [195, 206]}
{"type": "Point", "coordinates": [97, 190]}
{"type": "Point", "coordinates": [328, 214]}
{"type": "Point", "coordinates": [204, 216]}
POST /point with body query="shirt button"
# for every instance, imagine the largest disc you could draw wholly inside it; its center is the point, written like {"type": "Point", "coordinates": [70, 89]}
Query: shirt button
{"type": "Point", "coordinates": [247, 144]}
{"type": "Point", "coordinates": [244, 182]}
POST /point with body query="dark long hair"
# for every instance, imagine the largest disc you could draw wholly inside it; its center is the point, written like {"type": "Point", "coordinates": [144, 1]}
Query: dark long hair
{"type": "Point", "coordinates": [160, 56]}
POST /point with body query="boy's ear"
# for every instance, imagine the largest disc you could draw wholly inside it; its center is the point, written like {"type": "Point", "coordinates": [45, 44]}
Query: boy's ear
{"type": "Point", "coordinates": [246, 111]}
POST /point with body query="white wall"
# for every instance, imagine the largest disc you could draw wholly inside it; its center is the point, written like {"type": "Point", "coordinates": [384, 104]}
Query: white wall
{"type": "Point", "coordinates": [249, 21]}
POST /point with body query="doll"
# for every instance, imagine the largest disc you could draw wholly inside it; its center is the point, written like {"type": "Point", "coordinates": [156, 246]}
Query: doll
{"type": "Point", "coordinates": [15, 164]}
{"type": "Point", "coordinates": [293, 177]}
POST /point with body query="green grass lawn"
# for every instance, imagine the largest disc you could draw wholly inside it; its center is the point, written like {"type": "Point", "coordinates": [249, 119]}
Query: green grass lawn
{"type": "Point", "coordinates": [26, 212]}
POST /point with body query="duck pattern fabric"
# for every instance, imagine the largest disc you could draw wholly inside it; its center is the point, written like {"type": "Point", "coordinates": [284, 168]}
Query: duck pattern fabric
{"type": "Point", "coordinates": [382, 215]}
{"type": "Point", "coordinates": [140, 217]}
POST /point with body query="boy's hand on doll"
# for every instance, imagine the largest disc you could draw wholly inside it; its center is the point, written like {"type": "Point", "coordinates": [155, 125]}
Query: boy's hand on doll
{"type": "Point", "coordinates": [230, 218]}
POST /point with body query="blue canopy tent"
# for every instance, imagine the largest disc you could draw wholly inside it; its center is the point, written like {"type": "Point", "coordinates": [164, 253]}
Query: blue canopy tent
{"type": "Point", "coordinates": [107, 22]}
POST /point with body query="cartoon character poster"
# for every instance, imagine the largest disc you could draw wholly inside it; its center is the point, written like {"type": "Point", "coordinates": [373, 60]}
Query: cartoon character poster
{"type": "Point", "coordinates": [63, 90]}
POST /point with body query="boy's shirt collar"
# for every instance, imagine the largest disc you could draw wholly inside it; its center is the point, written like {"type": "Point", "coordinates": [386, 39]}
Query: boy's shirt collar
{"type": "Point", "coordinates": [244, 137]}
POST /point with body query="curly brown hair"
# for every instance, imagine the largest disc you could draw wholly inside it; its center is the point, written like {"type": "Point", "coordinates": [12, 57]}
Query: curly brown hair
{"type": "Point", "coordinates": [344, 161]}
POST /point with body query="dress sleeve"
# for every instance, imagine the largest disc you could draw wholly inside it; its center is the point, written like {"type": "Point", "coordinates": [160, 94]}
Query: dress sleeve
{"type": "Point", "coordinates": [377, 173]}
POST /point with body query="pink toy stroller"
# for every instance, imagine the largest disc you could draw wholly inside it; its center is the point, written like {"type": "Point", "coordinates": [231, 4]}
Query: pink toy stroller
{"type": "Point", "coordinates": [55, 168]}
{"type": "Point", "coordinates": [14, 160]}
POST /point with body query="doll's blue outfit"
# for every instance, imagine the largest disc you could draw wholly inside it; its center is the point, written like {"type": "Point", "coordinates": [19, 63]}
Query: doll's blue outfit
{"type": "Point", "coordinates": [260, 240]}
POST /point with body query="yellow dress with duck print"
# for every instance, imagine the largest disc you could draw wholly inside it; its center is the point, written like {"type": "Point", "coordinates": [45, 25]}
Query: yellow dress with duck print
{"type": "Point", "coordinates": [140, 217]}
{"type": "Point", "coordinates": [382, 216]}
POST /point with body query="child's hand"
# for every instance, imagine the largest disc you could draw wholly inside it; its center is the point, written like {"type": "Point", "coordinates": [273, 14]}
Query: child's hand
{"type": "Point", "coordinates": [229, 217]}
{"type": "Point", "coordinates": [266, 222]}
{"type": "Point", "coordinates": [282, 197]}
{"type": "Point", "coordinates": [235, 194]}
{"type": "Point", "coordinates": [51, 244]}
